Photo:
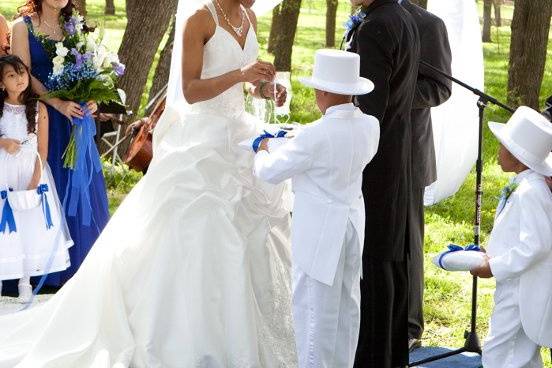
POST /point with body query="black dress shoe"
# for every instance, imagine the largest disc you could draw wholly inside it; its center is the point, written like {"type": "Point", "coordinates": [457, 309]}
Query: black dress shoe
{"type": "Point", "coordinates": [414, 343]}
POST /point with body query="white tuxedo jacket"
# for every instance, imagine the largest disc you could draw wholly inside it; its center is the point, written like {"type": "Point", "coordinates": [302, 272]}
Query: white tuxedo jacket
{"type": "Point", "coordinates": [520, 246]}
{"type": "Point", "coordinates": [325, 162]}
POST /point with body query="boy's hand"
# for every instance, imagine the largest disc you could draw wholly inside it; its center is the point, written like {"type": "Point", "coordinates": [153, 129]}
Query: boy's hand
{"type": "Point", "coordinates": [264, 145]}
{"type": "Point", "coordinates": [549, 182]}
{"type": "Point", "coordinates": [12, 146]}
{"type": "Point", "coordinates": [483, 271]}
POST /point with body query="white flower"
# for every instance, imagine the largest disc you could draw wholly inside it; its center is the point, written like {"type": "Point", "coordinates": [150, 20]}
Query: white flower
{"type": "Point", "coordinates": [80, 23]}
{"type": "Point", "coordinates": [79, 45]}
{"type": "Point", "coordinates": [58, 64]}
{"type": "Point", "coordinates": [61, 50]}
{"type": "Point", "coordinates": [100, 56]}
{"type": "Point", "coordinates": [58, 60]}
{"type": "Point", "coordinates": [91, 44]}
{"type": "Point", "coordinates": [113, 58]}
{"type": "Point", "coordinates": [110, 58]}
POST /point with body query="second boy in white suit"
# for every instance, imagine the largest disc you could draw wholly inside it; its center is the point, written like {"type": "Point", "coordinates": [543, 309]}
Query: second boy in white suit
{"type": "Point", "coordinates": [325, 162]}
{"type": "Point", "coordinates": [520, 246]}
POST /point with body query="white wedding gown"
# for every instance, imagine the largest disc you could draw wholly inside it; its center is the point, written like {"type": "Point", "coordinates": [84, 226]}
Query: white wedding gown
{"type": "Point", "coordinates": [193, 270]}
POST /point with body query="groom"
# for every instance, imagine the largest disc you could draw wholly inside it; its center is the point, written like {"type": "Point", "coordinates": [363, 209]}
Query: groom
{"type": "Point", "coordinates": [389, 47]}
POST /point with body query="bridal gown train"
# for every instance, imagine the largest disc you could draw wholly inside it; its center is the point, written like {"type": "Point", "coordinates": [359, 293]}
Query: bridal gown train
{"type": "Point", "coordinates": [193, 270]}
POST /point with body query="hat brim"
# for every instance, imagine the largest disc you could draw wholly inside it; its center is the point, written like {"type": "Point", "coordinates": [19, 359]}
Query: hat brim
{"type": "Point", "coordinates": [543, 167]}
{"type": "Point", "coordinates": [361, 87]}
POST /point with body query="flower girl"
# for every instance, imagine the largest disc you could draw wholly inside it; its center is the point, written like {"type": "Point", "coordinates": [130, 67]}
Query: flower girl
{"type": "Point", "coordinates": [33, 237]}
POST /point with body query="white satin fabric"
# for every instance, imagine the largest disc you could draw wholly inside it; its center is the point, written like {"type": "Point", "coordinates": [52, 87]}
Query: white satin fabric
{"type": "Point", "coordinates": [193, 270]}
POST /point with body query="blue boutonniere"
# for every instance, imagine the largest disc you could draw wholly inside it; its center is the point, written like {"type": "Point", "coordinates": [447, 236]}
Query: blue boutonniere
{"type": "Point", "coordinates": [505, 194]}
{"type": "Point", "coordinates": [354, 21]}
{"type": "Point", "coordinates": [508, 190]}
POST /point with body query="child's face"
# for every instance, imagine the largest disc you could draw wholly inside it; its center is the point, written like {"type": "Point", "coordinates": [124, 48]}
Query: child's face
{"type": "Point", "coordinates": [508, 162]}
{"type": "Point", "coordinates": [320, 100]}
{"type": "Point", "coordinates": [13, 81]}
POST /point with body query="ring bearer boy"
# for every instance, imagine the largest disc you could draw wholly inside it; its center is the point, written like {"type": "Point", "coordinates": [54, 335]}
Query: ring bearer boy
{"type": "Point", "coordinates": [520, 245]}
{"type": "Point", "coordinates": [325, 162]}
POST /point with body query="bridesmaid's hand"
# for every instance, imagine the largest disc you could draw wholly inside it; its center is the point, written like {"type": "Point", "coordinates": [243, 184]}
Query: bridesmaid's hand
{"type": "Point", "coordinates": [70, 109]}
{"type": "Point", "coordinates": [92, 106]}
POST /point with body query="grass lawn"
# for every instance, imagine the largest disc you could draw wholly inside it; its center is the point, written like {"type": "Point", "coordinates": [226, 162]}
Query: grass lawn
{"type": "Point", "coordinates": [447, 304]}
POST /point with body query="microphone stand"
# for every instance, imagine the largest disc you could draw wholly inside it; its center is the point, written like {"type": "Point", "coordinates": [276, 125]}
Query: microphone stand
{"type": "Point", "coordinates": [472, 343]}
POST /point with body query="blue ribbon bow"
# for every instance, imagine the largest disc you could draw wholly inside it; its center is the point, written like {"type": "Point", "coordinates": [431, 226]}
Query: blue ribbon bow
{"type": "Point", "coordinates": [456, 248]}
{"type": "Point", "coordinates": [87, 164]}
{"type": "Point", "coordinates": [7, 221]}
{"type": "Point", "coordinates": [41, 190]}
{"type": "Point", "coordinates": [257, 141]}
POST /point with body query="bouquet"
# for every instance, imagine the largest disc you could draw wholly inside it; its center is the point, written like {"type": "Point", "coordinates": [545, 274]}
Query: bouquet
{"type": "Point", "coordinates": [83, 70]}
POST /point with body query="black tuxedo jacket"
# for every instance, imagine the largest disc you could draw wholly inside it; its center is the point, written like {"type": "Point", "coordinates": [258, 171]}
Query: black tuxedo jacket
{"type": "Point", "coordinates": [389, 47]}
{"type": "Point", "coordinates": [432, 90]}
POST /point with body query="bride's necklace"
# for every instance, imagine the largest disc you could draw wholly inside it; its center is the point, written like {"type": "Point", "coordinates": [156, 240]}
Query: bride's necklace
{"type": "Point", "coordinates": [238, 30]}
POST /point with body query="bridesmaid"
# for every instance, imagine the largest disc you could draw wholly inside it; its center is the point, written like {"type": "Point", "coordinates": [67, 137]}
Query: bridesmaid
{"type": "Point", "coordinates": [40, 19]}
{"type": "Point", "coordinates": [4, 34]}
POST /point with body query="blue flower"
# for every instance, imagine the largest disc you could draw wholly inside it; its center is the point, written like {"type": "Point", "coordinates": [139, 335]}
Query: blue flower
{"type": "Point", "coordinates": [354, 21]}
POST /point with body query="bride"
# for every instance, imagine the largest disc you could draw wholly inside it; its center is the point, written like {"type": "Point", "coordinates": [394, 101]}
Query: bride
{"type": "Point", "coordinates": [193, 270]}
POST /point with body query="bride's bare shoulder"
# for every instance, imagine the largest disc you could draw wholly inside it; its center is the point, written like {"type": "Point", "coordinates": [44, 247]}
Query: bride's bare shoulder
{"type": "Point", "coordinates": [201, 22]}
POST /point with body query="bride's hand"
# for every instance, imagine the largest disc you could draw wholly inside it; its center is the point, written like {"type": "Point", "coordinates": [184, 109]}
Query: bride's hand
{"type": "Point", "coordinates": [279, 96]}
{"type": "Point", "coordinates": [258, 70]}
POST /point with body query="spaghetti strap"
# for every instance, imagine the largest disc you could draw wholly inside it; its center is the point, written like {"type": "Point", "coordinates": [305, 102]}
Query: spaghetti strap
{"type": "Point", "coordinates": [247, 15]}
{"type": "Point", "coordinates": [213, 11]}
{"type": "Point", "coordinates": [29, 22]}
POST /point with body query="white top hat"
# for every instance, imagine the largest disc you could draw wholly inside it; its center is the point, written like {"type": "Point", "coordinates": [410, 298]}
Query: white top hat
{"type": "Point", "coordinates": [338, 72]}
{"type": "Point", "coordinates": [528, 136]}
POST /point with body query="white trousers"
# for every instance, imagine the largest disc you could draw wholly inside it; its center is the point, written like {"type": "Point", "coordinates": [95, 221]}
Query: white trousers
{"type": "Point", "coordinates": [327, 318]}
{"type": "Point", "coordinates": [507, 345]}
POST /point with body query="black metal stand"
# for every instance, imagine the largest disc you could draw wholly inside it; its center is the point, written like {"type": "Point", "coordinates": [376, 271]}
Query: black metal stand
{"type": "Point", "coordinates": [472, 344]}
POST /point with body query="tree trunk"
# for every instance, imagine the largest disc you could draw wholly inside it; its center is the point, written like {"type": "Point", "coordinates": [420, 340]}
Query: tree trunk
{"type": "Point", "coordinates": [81, 6]}
{"type": "Point", "coordinates": [285, 34]}
{"type": "Point", "coordinates": [331, 15]}
{"type": "Point", "coordinates": [162, 72]}
{"type": "Point", "coordinates": [487, 9]}
{"type": "Point", "coordinates": [140, 43]}
{"type": "Point", "coordinates": [272, 38]}
{"type": "Point", "coordinates": [109, 7]}
{"type": "Point", "coordinates": [498, 17]}
{"type": "Point", "coordinates": [530, 27]}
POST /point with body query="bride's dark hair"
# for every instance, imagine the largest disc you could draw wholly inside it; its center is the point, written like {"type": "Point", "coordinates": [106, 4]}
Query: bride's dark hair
{"type": "Point", "coordinates": [35, 6]}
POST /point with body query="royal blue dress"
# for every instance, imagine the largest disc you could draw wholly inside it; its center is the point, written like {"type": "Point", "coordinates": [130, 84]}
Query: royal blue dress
{"type": "Point", "coordinates": [84, 236]}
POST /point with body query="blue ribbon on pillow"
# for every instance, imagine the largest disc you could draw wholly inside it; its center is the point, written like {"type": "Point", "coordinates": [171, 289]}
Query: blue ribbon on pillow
{"type": "Point", "coordinates": [41, 190]}
{"type": "Point", "coordinates": [257, 141]}
{"type": "Point", "coordinates": [456, 248]}
{"type": "Point", "coordinates": [8, 220]}
{"type": "Point", "coordinates": [88, 163]}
